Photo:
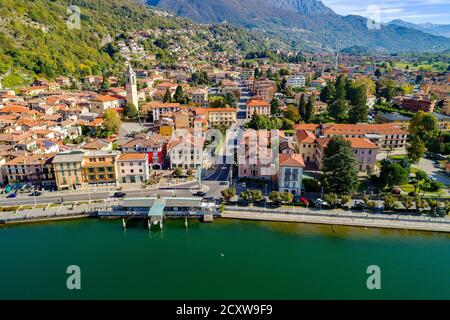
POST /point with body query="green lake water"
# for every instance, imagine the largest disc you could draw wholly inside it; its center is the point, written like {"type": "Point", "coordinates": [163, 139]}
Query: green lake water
{"type": "Point", "coordinates": [224, 260]}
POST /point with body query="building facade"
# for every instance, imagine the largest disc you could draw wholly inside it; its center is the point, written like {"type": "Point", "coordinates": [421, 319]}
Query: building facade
{"type": "Point", "coordinates": [133, 167]}
{"type": "Point", "coordinates": [68, 168]}
{"type": "Point", "coordinates": [100, 167]}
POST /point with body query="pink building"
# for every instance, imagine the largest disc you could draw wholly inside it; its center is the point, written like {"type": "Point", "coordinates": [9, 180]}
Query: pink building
{"type": "Point", "coordinates": [256, 159]}
{"type": "Point", "coordinates": [364, 151]}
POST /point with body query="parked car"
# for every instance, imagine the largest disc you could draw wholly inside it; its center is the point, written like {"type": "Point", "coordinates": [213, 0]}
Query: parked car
{"type": "Point", "coordinates": [396, 191]}
{"type": "Point", "coordinates": [304, 201]}
{"type": "Point", "coordinates": [321, 203]}
{"type": "Point", "coordinates": [359, 204]}
{"type": "Point", "coordinates": [12, 195]}
{"type": "Point", "coordinates": [200, 194]}
{"type": "Point", "coordinates": [244, 185]}
{"type": "Point", "coordinates": [35, 194]}
{"type": "Point", "coordinates": [119, 195]}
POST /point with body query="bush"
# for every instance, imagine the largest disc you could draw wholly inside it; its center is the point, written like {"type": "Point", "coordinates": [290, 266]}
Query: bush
{"type": "Point", "coordinates": [435, 186]}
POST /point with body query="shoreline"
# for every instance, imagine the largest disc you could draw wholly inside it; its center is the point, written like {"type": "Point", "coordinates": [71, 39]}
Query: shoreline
{"type": "Point", "coordinates": [288, 218]}
{"type": "Point", "coordinates": [340, 221]}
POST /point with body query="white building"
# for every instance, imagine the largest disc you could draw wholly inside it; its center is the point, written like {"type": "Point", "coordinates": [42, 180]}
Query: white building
{"type": "Point", "coordinates": [290, 173]}
{"type": "Point", "coordinates": [186, 152]}
{"type": "Point", "coordinates": [296, 81]}
{"type": "Point", "coordinates": [133, 167]}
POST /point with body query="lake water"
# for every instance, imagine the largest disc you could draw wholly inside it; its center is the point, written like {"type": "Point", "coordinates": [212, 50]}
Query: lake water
{"type": "Point", "coordinates": [228, 259]}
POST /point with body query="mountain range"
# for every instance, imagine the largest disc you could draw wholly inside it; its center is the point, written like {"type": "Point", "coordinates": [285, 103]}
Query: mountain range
{"type": "Point", "coordinates": [306, 24]}
{"type": "Point", "coordinates": [436, 29]}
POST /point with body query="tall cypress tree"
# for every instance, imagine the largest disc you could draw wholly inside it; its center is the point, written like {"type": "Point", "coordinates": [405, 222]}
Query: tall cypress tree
{"type": "Point", "coordinates": [302, 107]}
{"type": "Point", "coordinates": [309, 109]}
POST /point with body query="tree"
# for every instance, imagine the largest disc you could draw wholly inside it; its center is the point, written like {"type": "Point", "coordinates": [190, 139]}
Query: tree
{"type": "Point", "coordinates": [416, 149]}
{"type": "Point", "coordinates": [407, 202]}
{"type": "Point", "coordinates": [358, 99]}
{"type": "Point", "coordinates": [390, 202]}
{"type": "Point", "coordinates": [189, 172]}
{"type": "Point", "coordinates": [424, 125]}
{"type": "Point", "coordinates": [332, 199]}
{"type": "Point", "coordinates": [378, 73]}
{"type": "Point", "coordinates": [309, 109]}
{"type": "Point", "coordinates": [228, 193]}
{"type": "Point", "coordinates": [252, 196]}
{"type": "Point", "coordinates": [130, 111]}
{"type": "Point", "coordinates": [105, 84]}
{"type": "Point", "coordinates": [302, 106]}
{"type": "Point", "coordinates": [276, 198]}
{"type": "Point", "coordinates": [167, 97]}
{"type": "Point", "coordinates": [345, 199]}
{"type": "Point", "coordinates": [287, 197]}
{"type": "Point", "coordinates": [292, 113]}
{"type": "Point", "coordinates": [340, 173]}
{"type": "Point", "coordinates": [338, 110]}
{"type": "Point", "coordinates": [177, 172]}
{"type": "Point", "coordinates": [111, 120]}
{"type": "Point", "coordinates": [392, 173]}
{"type": "Point", "coordinates": [179, 94]}
{"type": "Point", "coordinates": [420, 203]}
{"type": "Point", "coordinates": [287, 124]}
{"type": "Point", "coordinates": [341, 84]}
{"type": "Point", "coordinates": [328, 93]}
{"type": "Point", "coordinates": [274, 107]}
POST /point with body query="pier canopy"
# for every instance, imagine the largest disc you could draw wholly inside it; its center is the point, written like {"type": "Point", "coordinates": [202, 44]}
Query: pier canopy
{"type": "Point", "coordinates": [157, 209]}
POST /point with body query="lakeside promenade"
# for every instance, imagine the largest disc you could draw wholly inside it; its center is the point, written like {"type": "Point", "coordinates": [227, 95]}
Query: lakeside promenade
{"type": "Point", "coordinates": [296, 215]}
{"type": "Point", "coordinates": [342, 218]}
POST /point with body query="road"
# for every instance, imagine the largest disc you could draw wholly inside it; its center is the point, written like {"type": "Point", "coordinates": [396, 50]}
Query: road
{"type": "Point", "coordinates": [243, 99]}
{"type": "Point", "coordinates": [212, 189]}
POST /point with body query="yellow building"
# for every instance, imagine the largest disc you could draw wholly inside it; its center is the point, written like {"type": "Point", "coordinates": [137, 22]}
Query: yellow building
{"type": "Point", "coordinates": [306, 145]}
{"type": "Point", "coordinates": [100, 167]}
{"type": "Point", "coordinates": [221, 116]}
{"type": "Point", "coordinates": [166, 129]}
{"type": "Point", "coordinates": [68, 168]}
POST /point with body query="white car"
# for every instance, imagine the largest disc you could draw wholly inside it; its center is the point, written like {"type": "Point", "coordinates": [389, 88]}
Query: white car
{"type": "Point", "coordinates": [321, 203]}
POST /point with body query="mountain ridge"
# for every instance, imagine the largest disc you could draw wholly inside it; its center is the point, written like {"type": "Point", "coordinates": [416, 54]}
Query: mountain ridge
{"type": "Point", "coordinates": [307, 23]}
{"type": "Point", "coordinates": [435, 29]}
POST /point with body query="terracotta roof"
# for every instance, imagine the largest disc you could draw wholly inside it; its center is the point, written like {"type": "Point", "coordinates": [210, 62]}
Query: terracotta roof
{"type": "Point", "coordinates": [258, 103]}
{"type": "Point", "coordinates": [156, 105]}
{"type": "Point", "coordinates": [305, 136]}
{"type": "Point", "coordinates": [102, 98]}
{"type": "Point", "coordinates": [307, 126]}
{"type": "Point", "coordinates": [288, 160]}
{"type": "Point", "coordinates": [343, 129]}
{"type": "Point", "coordinates": [357, 143]}
{"type": "Point", "coordinates": [132, 156]}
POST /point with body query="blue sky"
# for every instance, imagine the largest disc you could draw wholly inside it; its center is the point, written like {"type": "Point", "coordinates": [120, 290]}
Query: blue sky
{"type": "Point", "coordinates": [416, 11]}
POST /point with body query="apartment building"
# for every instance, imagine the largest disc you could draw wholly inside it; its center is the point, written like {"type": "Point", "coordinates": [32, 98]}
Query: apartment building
{"type": "Point", "coordinates": [257, 106]}
{"type": "Point", "coordinates": [157, 108]}
{"type": "Point", "coordinates": [68, 169]}
{"type": "Point", "coordinates": [200, 98]}
{"type": "Point", "coordinates": [36, 169]}
{"type": "Point", "coordinates": [100, 167]}
{"type": "Point", "coordinates": [186, 152]}
{"type": "Point", "coordinates": [384, 136]}
{"type": "Point", "coordinates": [133, 167]}
{"type": "Point", "coordinates": [296, 81]}
{"type": "Point", "coordinates": [221, 116]}
{"type": "Point", "coordinates": [364, 151]}
{"type": "Point", "coordinates": [265, 89]}
{"type": "Point", "coordinates": [415, 103]}
{"type": "Point", "coordinates": [256, 159]}
{"type": "Point", "coordinates": [154, 146]}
